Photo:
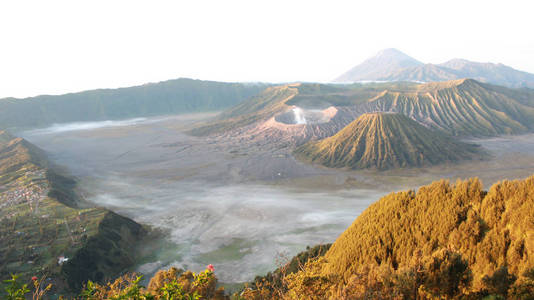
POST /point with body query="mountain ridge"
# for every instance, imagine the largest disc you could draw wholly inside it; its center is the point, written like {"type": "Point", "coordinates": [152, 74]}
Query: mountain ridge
{"type": "Point", "coordinates": [394, 70]}
{"type": "Point", "coordinates": [43, 218]}
{"type": "Point", "coordinates": [385, 140]}
{"type": "Point", "coordinates": [177, 96]}
{"type": "Point", "coordinates": [460, 107]}
{"type": "Point", "coordinates": [463, 107]}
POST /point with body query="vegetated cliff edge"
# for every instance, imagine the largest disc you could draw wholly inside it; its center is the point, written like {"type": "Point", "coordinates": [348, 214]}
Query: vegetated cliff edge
{"type": "Point", "coordinates": [445, 240]}
{"type": "Point", "coordinates": [42, 221]}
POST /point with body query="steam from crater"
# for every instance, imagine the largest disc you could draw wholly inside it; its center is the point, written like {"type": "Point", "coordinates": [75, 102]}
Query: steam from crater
{"type": "Point", "coordinates": [299, 116]}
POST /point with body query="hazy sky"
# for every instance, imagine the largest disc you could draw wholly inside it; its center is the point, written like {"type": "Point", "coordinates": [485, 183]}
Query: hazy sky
{"type": "Point", "coordinates": [53, 47]}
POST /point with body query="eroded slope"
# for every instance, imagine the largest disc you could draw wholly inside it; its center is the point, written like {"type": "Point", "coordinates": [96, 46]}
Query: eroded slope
{"type": "Point", "coordinates": [384, 141]}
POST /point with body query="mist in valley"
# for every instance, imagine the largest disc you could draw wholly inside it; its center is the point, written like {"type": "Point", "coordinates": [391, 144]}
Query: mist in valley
{"type": "Point", "coordinates": [215, 208]}
{"type": "Point", "coordinates": [236, 206]}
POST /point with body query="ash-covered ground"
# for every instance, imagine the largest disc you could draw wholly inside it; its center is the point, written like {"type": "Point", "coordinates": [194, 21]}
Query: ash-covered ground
{"type": "Point", "coordinates": [240, 206]}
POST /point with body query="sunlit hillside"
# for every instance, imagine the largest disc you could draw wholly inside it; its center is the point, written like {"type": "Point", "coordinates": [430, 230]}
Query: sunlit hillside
{"type": "Point", "coordinates": [384, 141]}
{"type": "Point", "coordinates": [445, 240]}
{"type": "Point", "coordinates": [462, 107]}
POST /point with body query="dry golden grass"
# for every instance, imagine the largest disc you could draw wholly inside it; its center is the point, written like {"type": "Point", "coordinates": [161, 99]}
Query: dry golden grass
{"type": "Point", "coordinates": [461, 239]}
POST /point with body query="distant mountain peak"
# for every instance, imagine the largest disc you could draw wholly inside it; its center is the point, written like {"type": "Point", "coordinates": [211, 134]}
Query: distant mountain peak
{"type": "Point", "coordinates": [392, 52]}
{"type": "Point", "coordinates": [459, 60]}
{"type": "Point", "coordinates": [394, 56]}
{"type": "Point", "coordinates": [383, 62]}
{"type": "Point", "coordinates": [393, 65]}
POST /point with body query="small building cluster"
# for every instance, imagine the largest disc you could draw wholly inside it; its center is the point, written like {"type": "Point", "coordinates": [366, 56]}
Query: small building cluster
{"type": "Point", "coordinates": [22, 191]}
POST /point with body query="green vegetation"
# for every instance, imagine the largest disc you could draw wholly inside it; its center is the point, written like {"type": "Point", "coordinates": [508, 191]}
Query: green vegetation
{"type": "Point", "coordinates": [14, 289]}
{"type": "Point", "coordinates": [164, 98]}
{"type": "Point", "coordinates": [173, 284]}
{"type": "Point", "coordinates": [40, 222]}
{"type": "Point", "coordinates": [384, 141]}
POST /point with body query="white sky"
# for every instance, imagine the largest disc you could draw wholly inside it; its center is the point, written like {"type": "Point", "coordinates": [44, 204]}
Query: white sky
{"type": "Point", "coordinates": [53, 47]}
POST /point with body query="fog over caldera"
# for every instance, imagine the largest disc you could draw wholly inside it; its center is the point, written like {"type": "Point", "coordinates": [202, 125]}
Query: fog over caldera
{"type": "Point", "coordinates": [237, 207]}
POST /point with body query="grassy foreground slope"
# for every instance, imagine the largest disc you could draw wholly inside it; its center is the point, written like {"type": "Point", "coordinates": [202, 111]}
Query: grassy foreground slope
{"type": "Point", "coordinates": [41, 221]}
{"type": "Point", "coordinates": [445, 240]}
{"type": "Point", "coordinates": [384, 141]}
{"type": "Point", "coordinates": [164, 98]}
